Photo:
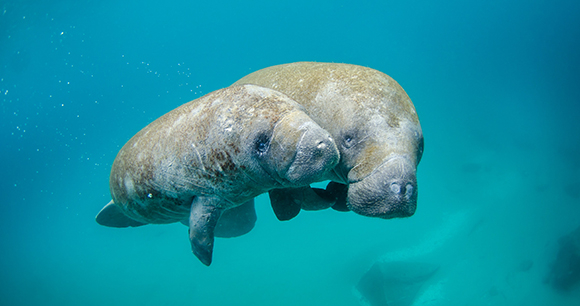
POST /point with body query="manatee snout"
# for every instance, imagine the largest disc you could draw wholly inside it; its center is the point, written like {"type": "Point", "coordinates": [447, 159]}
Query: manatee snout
{"type": "Point", "coordinates": [302, 151]}
{"type": "Point", "coordinates": [316, 154]}
{"type": "Point", "coordinates": [389, 192]}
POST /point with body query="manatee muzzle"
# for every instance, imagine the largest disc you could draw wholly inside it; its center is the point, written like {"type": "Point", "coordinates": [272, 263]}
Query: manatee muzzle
{"type": "Point", "coordinates": [388, 192]}
{"type": "Point", "coordinates": [316, 154]}
{"type": "Point", "coordinates": [301, 152]}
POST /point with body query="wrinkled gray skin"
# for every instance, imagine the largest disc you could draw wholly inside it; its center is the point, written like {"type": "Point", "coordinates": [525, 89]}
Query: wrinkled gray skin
{"type": "Point", "coordinates": [210, 157]}
{"type": "Point", "coordinates": [377, 131]}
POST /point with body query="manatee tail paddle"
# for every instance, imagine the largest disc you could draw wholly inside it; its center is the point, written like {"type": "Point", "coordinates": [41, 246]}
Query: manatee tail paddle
{"type": "Point", "coordinates": [112, 216]}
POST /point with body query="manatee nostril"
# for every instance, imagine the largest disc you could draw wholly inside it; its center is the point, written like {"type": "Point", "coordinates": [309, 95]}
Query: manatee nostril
{"type": "Point", "coordinates": [395, 188]}
{"type": "Point", "coordinates": [409, 191]}
{"type": "Point", "coordinates": [319, 150]}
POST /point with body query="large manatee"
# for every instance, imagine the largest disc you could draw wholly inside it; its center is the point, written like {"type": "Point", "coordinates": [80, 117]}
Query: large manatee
{"type": "Point", "coordinates": [212, 156]}
{"type": "Point", "coordinates": [375, 126]}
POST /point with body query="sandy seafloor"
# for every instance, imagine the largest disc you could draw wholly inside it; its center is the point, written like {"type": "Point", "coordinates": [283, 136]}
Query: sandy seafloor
{"type": "Point", "coordinates": [495, 83]}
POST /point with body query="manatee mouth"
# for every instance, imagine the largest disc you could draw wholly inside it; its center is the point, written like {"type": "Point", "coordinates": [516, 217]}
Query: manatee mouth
{"type": "Point", "coordinates": [389, 192]}
{"type": "Point", "coordinates": [316, 154]}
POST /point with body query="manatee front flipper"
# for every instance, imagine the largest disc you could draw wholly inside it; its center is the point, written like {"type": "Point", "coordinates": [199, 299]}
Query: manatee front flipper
{"type": "Point", "coordinates": [283, 204]}
{"type": "Point", "coordinates": [112, 216]}
{"type": "Point", "coordinates": [338, 192]}
{"type": "Point", "coordinates": [335, 194]}
{"type": "Point", "coordinates": [288, 202]}
{"type": "Point", "coordinates": [236, 221]}
{"type": "Point", "coordinates": [203, 218]}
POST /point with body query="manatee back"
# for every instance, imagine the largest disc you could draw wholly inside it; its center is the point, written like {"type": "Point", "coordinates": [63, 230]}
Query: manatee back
{"type": "Point", "coordinates": [349, 88]}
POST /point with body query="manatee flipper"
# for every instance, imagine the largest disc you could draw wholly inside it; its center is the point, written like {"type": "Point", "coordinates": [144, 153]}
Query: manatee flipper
{"type": "Point", "coordinates": [335, 194]}
{"type": "Point", "coordinates": [312, 198]}
{"type": "Point", "coordinates": [236, 221]}
{"type": "Point", "coordinates": [283, 205]}
{"type": "Point", "coordinates": [339, 192]}
{"type": "Point", "coordinates": [112, 216]}
{"type": "Point", "coordinates": [288, 202]}
{"type": "Point", "coordinates": [203, 218]}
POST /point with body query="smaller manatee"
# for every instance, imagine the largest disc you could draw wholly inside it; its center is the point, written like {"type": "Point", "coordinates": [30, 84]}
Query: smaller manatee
{"type": "Point", "coordinates": [204, 162]}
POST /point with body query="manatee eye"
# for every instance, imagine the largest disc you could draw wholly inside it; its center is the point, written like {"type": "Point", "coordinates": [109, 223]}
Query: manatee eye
{"type": "Point", "coordinates": [261, 148]}
{"type": "Point", "coordinates": [261, 145]}
{"type": "Point", "coordinates": [348, 140]}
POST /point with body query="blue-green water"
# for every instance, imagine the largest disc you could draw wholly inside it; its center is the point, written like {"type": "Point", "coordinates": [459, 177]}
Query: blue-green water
{"type": "Point", "coordinates": [495, 84]}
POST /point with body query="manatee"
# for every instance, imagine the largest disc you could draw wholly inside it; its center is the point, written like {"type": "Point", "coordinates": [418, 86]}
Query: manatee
{"type": "Point", "coordinates": [377, 131]}
{"type": "Point", "coordinates": [394, 283]}
{"type": "Point", "coordinates": [212, 156]}
{"type": "Point", "coordinates": [564, 272]}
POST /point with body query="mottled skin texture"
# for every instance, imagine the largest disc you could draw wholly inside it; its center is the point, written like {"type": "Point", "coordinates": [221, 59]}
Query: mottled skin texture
{"type": "Point", "coordinates": [214, 154]}
{"type": "Point", "coordinates": [375, 126]}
